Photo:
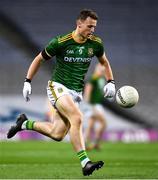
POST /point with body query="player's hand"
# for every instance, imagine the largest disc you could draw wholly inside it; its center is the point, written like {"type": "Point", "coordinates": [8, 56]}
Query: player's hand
{"type": "Point", "coordinates": [27, 89]}
{"type": "Point", "coordinates": [109, 89]}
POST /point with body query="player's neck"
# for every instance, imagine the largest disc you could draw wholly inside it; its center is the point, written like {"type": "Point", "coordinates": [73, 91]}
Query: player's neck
{"type": "Point", "coordinates": [78, 37]}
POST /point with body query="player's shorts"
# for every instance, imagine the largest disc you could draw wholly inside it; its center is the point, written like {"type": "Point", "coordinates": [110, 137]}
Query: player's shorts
{"type": "Point", "coordinates": [90, 109]}
{"type": "Point", "coordinates": [56, 90]}
{"type": "Point", "coordinates": [98, 108]}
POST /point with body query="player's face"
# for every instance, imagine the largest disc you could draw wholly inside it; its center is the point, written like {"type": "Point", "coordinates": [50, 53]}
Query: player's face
{"type": "Point", "coordinates": [87, 27]}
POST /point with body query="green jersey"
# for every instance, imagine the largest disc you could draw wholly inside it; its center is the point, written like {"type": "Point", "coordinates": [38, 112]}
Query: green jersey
{"type": "Point", "coordinates": [73, 59]}
{"type": "Point", "coordinates": [97, 94]}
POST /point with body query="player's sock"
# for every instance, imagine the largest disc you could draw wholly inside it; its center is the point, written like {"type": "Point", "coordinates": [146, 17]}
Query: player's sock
{"type": "Point", "coordinates": [83, 157]}
{"type": "Point", "coordinates": [28, 125]}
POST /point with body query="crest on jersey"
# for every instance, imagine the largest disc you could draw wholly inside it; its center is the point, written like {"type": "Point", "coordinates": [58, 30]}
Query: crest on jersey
{"type": "Point", "coordinates": [90, 51]}
{"type": "Point", "coordinates": [80, 49]}
{"type": "Point", "coordinates": [60, 90]}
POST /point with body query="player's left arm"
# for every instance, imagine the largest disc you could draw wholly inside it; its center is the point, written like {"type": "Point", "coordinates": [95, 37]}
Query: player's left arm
{"type": "Point", "coordinates": [109, 88]}
{"type": "Point", "coordinates": [108, 71]}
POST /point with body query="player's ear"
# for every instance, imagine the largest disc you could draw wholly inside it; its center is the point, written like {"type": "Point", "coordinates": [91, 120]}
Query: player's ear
{"type": "Point", "coordinates": [78, 22]}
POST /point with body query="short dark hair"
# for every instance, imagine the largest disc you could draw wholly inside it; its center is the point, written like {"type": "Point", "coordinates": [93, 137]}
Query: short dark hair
{"type": "Point", "coordinates": [87, 13]}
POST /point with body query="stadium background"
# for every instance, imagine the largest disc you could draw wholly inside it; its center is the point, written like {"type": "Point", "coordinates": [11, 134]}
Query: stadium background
{"type": "Point", "coordinates": [128, 29]}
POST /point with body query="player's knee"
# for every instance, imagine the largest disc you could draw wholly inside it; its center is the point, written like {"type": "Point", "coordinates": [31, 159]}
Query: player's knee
{"type": "Point", "coordinates": [103, 124]}
{"type": "Point", "coordinates": [58, 137]}
{"type": "Point", "coordinates": [77, 119]}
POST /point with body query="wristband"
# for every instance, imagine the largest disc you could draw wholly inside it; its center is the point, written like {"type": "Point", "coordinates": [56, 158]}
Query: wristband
{"type": "Point", "coordinates": [111, 81]}
{"type": "Point", "coordinates": [27, 80]}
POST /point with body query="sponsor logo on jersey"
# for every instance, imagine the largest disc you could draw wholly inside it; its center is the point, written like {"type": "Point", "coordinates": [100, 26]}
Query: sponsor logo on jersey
{"type": "Point", "coordinates": [70, 51]}
{"type": "Point", "coordinates": [77, 59]}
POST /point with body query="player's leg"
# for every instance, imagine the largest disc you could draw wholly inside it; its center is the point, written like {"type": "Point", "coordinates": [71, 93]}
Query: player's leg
{"type": "Point", "coordinates": [90, 133]}
{"type": "Point", "coordinates": [49, 115]}
{"type": "Point", "coordinates": [90, 128]}
{"type": "Point", "coordinates": [56, 126]}
{"type": "Point", "coordinates": [55, 130]}
{"type": "Point", "coordinates": [101, 126]}
{"type": "Point", "coordinates": [70, 110]}
{"type": "Point", "coordinates": [87, 110]}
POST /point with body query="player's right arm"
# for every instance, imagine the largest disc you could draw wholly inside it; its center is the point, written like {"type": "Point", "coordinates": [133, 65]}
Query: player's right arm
{"type": "Point", "coordinates": [34, 66]}
{"type": "Point", "coordinates": [30, 74]}
{"type": "Point", "coordinates": [46, 54]}
{"type": "Point", "coordinates": [49, 51]}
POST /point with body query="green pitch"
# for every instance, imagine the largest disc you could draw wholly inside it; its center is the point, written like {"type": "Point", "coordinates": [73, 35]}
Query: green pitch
{"type": "Point", "coordinates": [41, 160]}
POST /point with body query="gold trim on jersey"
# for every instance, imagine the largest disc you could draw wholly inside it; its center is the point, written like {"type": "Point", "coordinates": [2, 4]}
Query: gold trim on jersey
{"type": "Point", "coordinates": [65, 38]}
{"type": "Point", "coordinates": [95, 38]}
{"type": "Point", "coordinates": [52, 90]}
{"type": "Point", "coordinates": [47, 53]}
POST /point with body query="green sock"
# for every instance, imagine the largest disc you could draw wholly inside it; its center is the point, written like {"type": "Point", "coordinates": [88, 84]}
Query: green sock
{"type": "Point", "coordinates": [83, 157]}
{"type": "Point", "coordinates": [28, 124]}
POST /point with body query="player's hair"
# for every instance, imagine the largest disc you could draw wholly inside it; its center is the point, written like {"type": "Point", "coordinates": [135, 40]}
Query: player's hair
{"type": "Point", "coordinates": [85, 13]}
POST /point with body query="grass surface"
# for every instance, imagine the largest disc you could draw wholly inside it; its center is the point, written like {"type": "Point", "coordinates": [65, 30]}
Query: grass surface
{"type": "Point", "coordinates": [51, 160]}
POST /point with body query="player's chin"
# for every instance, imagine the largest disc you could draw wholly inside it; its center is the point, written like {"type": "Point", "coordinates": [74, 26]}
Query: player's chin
{"type": "Point", "coordinates": [89, 35]}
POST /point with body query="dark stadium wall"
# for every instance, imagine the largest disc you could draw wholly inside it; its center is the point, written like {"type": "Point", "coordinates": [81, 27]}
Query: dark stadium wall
{"type": "Point", "coordinates": [127, 27]}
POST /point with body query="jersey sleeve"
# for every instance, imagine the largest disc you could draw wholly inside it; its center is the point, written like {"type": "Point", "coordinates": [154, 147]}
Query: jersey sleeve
{"type": "Point", "coordinates": [52, 47]}
{"type": "Point", "coordinates": [99, 50]}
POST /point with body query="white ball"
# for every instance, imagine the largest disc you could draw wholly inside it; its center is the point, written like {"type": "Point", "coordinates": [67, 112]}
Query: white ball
{"type": "Point", "coordinates": [127, 96]}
